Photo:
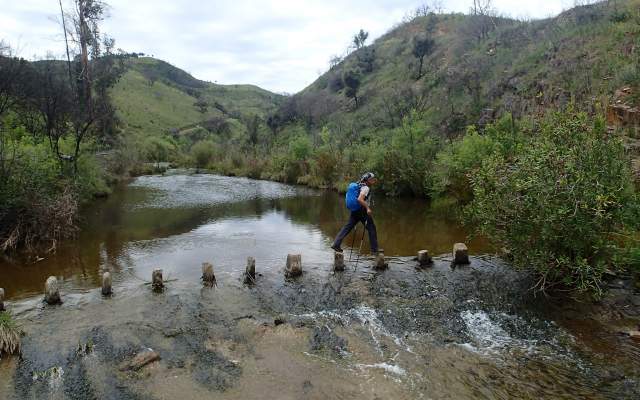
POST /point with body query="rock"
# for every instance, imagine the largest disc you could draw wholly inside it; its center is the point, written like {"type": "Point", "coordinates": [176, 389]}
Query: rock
{"type": "Point", "coordinates": [423, 258]}
{"type": "Point", "coordinates": [323, 338]}
{"type": "Point", "coordinates": [621, 113]}
{"type": "Point", "coordinates": [51, 291]}
{"type": "Point", "coordinates": [140, 360]}
{"type": "Point", "coordinates": [156, 280]}
{"type": "Point", "coordinates": [634, 335]}
{"type": "Point", "coordinates": [250, 270]}
{"type": "Point", "coordinates": [294, 265]}
{"type": "Point", "coordinates": [460, 254]}
{"type": "Point", "coordinates": [279, 320]}
{"type": "Point", "coordinates": [338, 261]}
{"type": "Point", "coordinates": [106, 284]}
{"type": "Point", "coordinates": [208, 277]}
{"type": "Point", "coordinates": [1, 299]}
{"type": "Point", "coordinates": [380, 262]}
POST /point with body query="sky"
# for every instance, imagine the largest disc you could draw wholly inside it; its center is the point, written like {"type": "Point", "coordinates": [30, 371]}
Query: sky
{"type": "Point", "coordinates": [280, 45]}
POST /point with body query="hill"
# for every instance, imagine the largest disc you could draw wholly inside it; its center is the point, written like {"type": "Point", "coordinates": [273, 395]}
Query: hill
{"type": "Point", "coordinates": [154, 97]}
{"type": "Point", "coordinates": [479, 67]}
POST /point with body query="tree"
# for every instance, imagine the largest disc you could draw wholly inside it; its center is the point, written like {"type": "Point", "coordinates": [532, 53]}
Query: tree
{"type": "Point", "coordinates": [359, 39]}
{"type": "Point", "coordinates": [422, 47]}
{"type": "Point", "coordinates": [366, 58]}
{"type": "Point", "coordinates": [93, 71]}
{"type": "Point", "coordinates": [482, 12]}
{"type": "Point", "coordinates": [352, 83]}
{"type": "Point", "coordinates": [252, 123]}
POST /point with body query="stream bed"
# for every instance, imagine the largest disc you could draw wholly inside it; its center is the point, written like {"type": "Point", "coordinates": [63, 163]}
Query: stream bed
{"type": "Point", "coordinates": [437, 332]}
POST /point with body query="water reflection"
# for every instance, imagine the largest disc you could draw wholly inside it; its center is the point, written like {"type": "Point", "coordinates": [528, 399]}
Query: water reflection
{"type": "Point", "coordinates": [178, 221]}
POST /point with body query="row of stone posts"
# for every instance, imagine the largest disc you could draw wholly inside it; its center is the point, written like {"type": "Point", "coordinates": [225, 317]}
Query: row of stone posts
{"type": "Point", "coordinates": [293, 269]}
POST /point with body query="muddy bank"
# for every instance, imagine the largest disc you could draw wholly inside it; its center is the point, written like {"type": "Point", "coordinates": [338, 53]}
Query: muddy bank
{"type": "Point", "coordinates": [405, 333]}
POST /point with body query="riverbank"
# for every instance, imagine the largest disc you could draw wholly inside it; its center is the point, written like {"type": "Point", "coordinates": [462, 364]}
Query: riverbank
{"type": "Point", "coordinates": [407, 332]}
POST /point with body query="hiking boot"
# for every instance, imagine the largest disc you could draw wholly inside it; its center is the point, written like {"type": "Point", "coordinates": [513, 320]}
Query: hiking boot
{"type": "Point", "coordinates": [337, 249]}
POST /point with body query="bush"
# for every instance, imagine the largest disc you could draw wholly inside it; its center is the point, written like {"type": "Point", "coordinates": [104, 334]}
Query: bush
{"type": "Point", "coordinates": [202, 153]}
{"type": "Point", "coordinates": [9, 335]}
{"type": "Point", "coordinates": [455, 164]}
{"type": "Point", "coordinates": [558, 204]}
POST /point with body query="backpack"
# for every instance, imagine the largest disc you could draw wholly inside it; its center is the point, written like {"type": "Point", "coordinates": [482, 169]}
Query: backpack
{"type": "Point", "coordinates": [351, 198]}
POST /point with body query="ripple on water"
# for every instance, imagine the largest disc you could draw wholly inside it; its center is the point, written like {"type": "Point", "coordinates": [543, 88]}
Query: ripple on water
{"type": "Point", "coordinates": [187, 190]}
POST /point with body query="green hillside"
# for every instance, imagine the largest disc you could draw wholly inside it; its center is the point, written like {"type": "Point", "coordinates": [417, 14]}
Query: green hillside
{"type": "Point", "coordinates": [523, 68]}
{"type": "Point", "coordinates": [154, 97]}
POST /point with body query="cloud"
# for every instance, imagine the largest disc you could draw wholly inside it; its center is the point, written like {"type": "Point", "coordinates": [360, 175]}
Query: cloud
{"type": "Point", "coordinates": [280, 45]}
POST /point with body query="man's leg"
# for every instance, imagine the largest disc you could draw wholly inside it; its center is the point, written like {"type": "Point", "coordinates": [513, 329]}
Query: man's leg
{"type": "Point", "coordinates": [373, 234]}
{"type": "Point", "coordinates": [345, 231]}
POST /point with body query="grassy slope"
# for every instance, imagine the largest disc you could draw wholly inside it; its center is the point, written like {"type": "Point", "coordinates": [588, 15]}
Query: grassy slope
{"type": "Point", "coordinates": [153, 106]}
{"type": "Point", "coordinates": [524, 68]}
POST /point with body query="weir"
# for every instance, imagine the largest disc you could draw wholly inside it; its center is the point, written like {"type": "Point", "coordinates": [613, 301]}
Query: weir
{"type": "Point", "coordinates": [293, 269]}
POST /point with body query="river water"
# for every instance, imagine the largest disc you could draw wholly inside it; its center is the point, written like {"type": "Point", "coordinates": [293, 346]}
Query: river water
{"type": "Point", "coordinates": [405, 333]}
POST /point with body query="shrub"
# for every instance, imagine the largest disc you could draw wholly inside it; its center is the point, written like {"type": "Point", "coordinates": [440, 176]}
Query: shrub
{"type": "Point", "coordinates": [558, 204]}
{"type": "Point", "coordinates": [202, 153]}
{"type": "Point", "coordinates": [9, 335]}
{"type": "Point", "coordinates": [455, 164]}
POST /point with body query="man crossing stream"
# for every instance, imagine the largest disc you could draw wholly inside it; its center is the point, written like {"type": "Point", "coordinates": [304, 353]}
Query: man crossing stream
{"type": "Point", "coordinates": [358, 199]}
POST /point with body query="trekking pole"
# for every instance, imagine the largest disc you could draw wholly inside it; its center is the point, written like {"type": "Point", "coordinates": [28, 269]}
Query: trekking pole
{"type": "Point", "coordinates": [355, 233]}
{"type": "Point", "coordinates": [361, 241]}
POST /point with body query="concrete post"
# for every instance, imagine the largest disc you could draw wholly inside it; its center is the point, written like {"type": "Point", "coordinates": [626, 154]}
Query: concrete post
{"type": "Point", "coordinates": [460, 254]}
{"type": "Point", "coordinates": [51, 291]}
{"type": "Point", "coordinates": [1, 299]}
{"type": "Point", "coordinates": [208, 277]}
{"type": "Point", "coordinates": [294, 265]}
{"type": "Point", "coordinates": [338, 261]}
{"type": "Point", "coordinates": [250, 271]}
{"type": "Point", "coordinates": [380, 262]}
{"type": "Point", "coordinates": [106, 284]}
{"type": "Point", "coordinates": [423, 258]}
{"type": "Point", "coordinates": [156, 280]}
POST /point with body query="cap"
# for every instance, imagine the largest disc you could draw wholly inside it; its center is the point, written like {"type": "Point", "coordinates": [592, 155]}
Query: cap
{"type": "Point", "coordinates": [367, 176]}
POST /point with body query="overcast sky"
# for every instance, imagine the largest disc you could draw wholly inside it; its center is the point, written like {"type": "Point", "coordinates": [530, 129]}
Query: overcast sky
{"type": "Point", "coordinates": [280, 45]}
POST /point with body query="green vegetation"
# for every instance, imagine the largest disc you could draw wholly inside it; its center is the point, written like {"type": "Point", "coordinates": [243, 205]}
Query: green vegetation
{"type": "Point", "coordinates": [442, 107]}
{"type": "Point", "coordinates": [9, 335]}
{"type": "Point", "coordinates": [561, 204]}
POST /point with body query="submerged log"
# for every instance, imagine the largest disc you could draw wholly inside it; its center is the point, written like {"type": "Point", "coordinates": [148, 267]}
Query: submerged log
{"type": "Point", "coordinates": [51, 291]}
{"type": "Point", "coordinates": [380, 262]}
{"type": "Point", "coordinates": [294, 265]}
{"type": "Point", "coordinates": [208, 277]}
{"type": "Point", "coordinates": [106, 284]}
{"type": "Point", "coordinates": [460, 254]}
{"type": "Point", "coordinates": [250, 270]}
{"type": "Point", "coordinates": [423, 258]}
{"type": "Point", "coordinates": [1, 299]}
{"type": "Point", "coordinates": [338, 261]}
{"type": "Point", "coordinates": [156, 280]}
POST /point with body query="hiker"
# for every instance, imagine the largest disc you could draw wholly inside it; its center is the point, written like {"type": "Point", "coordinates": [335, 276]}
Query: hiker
{"type": "Point", "coordinates": [357, 199]}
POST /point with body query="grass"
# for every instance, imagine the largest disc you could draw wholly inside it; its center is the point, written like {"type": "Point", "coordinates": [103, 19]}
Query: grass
{"type": "Point", "coordinates": [9, 334]}
{"type": "Point", "coordinates": [154, 97]}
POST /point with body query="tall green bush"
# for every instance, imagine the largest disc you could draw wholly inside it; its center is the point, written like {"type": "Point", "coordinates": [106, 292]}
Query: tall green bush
{"type": "Point", "coordinates": [558, 205]}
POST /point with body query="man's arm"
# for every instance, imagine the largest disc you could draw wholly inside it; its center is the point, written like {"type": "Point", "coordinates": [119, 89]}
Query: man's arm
{"type": "Point", "coordinates": [363, 203]}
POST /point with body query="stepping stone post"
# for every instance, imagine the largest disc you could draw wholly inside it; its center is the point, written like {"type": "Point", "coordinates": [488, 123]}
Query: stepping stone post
{"type": "Point", "coordinates": [423, 258]}
{"type": "Point", "coordinates": [380, 262]}
{"type": "Point", "coordinates": [156, 280]}
{"type": "Point", "coordinates": [250, 270]}
{"type": "Point", "coordinates": [208, 277]}
{"type": "Point", "coordinates": [338, 261]}
{"type": "Point", "coordinates": [294, 265]}
{"type": "Point", "coordinates": [106, 284]}
{"type": "Point", "coordinates": [460, 254]}
{"type": "Point", "coordinates": [52, 291]}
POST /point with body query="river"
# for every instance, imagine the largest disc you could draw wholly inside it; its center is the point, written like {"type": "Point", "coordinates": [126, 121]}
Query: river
{"type": "Point", "coordinates": [432, 333]}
